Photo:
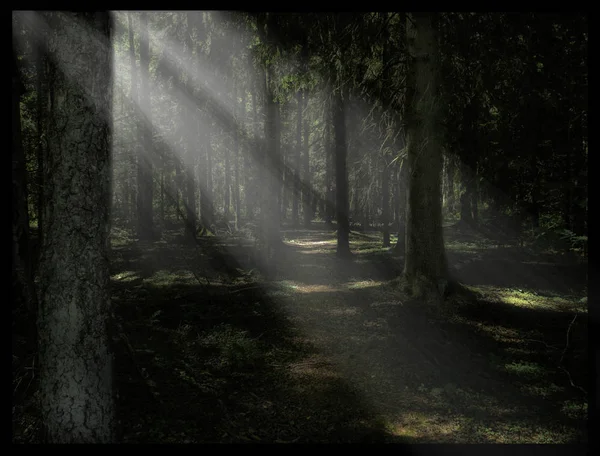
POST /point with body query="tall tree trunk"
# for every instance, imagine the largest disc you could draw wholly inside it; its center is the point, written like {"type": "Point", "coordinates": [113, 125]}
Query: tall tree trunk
{"type": "Point", "coordinates": [40, 125]}
{"type": "Point", "coordinates": [296, 161]}
{"type": "Point", "coordinates": [227, 189]}
{"type": "Point", "coordinates": [385, 201]}
{"type": "Point", "coordinates": [450, 173]}
{"type": "Point", "coordinates": [236, 148]}
{"type": "Point", "coordinates": [145, 198]}
{"type": "Point", "coordinates": [425, 262]}
{"type": "Point", "coordinates": [466, 213]}
{"type": "Point", "coordinates": [341, 176]}
{"type": "Point", "coordinates": [402, 198]}
{"type": "Point", "coordinates": [22, 276]}
{"type": "Point", "coordinates": [135, 113]}
{"type": "Point", "coordinates": [210, 212]}
{"type": "Point", "coordinates": [245, 160]}
{"type": "Point", "coordinates": [475, 195]}
{"type": "Point", "coordinates": [329, 153]}
{"type": "Point", "coordinates": [73, 325]}
{"type": "Point", "coordinates": [253, 198]}
{"type": "Point", "coordinates": [190, 133]}
{"type": "Point", "coordinates": [307, 208]}
{"type": "Point", "coordinates": [273, 156]}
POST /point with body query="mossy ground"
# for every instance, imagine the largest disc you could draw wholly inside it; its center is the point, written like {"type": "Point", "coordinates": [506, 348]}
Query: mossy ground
{"type": "Point", "coordinates": [210, 349]}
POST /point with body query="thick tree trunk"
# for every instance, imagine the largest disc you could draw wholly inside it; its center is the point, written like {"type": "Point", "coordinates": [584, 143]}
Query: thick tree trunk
{"type": "Point", "coordinates": [425, 262]}
{"type": "Point", "coordinates": [75, 361]}
{"type": "Point", "coordinates": [307, 207]}
{"type": "Point", "coordinates": [341, 176]}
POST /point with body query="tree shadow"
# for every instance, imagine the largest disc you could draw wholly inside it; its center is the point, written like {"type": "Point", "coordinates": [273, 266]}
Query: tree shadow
{"type": "Point", "coordinates": [417, 352]}
{"type": "Point", "coordinates": [220, 362]}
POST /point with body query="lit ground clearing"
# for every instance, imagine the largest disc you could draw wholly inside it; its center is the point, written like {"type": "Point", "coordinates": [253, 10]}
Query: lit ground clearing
{"type": "Point", "coordinates": [208, 349]}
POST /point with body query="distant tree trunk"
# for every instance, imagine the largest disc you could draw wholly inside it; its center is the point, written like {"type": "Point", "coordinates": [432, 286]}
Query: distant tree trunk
{"type": "Point", "coordinates": [130, 156]}
{"type": "Point", "coordinates": [307, 208]}
{"type": "Point", "coordinates": [296, 162]}
{"type": "Point", "coordinates": [329, 152]}
{"type": "Point", "coordinates": [385, 201]}
{"type": "Point", "coordinates": [563, 144]}
{"type": "Point", "coordinates": [236, 169]}
{"type": "Point", "coordinates": [466, 199]}
{"type": "Point", "coordinates": [22, 276]}
{"type": "Point", "coordinates": [162, 194]}
{"type": "Point", "coordinates": [341, 176]}
{"type": "Point", "coordinates": [190, 200]}
{"type": "Point", "coordinates": [191, 135]}
{"type": "Point", "coordinates": [73, 324]}
{"type": "Point", "coordinates": [450, 172]}
{"type": "Point", "coordinates": [253, 192]}
{"type": "Point", "coordinates": [246, 162]}
{"type": "Point", "coordinates": [209, 209]}
{"type": "Point", "coordinates": [367, 194]}
{"type": "Point", "coordinates": [273, 158]}
{"type": "Point", "coordinates": [227, 190]}
{"type": "Point", "coordinates": [145, 198]}
{"type": "Point", "coordinates": [178, 185]}
{"type": "Point", "coordinates": [579, 209]}
{"type": "Point", "coordinates": [41, 107]}
{"type": "Point", "coordinates": [425, 262]}
{"type": "Point", "coordinates": [400, 247]}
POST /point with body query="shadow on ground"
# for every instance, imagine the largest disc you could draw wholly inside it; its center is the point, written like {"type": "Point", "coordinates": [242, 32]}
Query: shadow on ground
{"type": "Point", "coordinates": [208, 349]}
{"type": "Point", "coordinates": [218, 361]}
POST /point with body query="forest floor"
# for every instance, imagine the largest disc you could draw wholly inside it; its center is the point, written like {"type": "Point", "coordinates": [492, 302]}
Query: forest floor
{"type": "Point", "coordinates": [209, 349]}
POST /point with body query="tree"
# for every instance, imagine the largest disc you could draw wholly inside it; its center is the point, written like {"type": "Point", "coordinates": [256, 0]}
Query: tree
{"type": "Point", "coordinates": [21, 255]}
{"type": "Point", "coordinates": [145, 227]}
{"type": "Point", "coordinates": [75, 361]}
{"type": "Point", "coordinates": [425, 262]}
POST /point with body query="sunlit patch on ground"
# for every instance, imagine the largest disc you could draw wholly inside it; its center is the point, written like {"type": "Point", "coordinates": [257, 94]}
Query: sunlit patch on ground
{"type": "Point", "coordinates": [313, 243]}
{"type": "Point", "coordinates": [529, 299]}
{"type": "Point", "coordinates": [340, 311]}
{"type": "Point", "coordinates": [316, 289]}
{"type": "Point", "coordinates": [163, 278]}
{"type": "Point", "coordinates": [364, 284]}
{"type": "Point", "coordinates": [125, 276]}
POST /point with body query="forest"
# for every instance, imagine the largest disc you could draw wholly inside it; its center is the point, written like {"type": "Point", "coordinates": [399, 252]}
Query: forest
{"type": "Point", "coordinates": [257, 227]}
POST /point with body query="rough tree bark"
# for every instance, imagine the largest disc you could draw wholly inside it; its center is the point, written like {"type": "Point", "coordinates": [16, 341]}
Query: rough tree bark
{"type": "Point", "coordinates": [425, 262]}
{"type": "Point", "coordinates": [76, 392]}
